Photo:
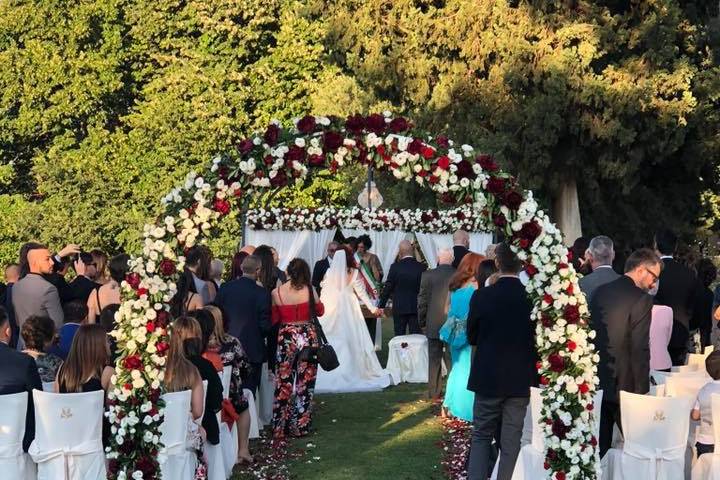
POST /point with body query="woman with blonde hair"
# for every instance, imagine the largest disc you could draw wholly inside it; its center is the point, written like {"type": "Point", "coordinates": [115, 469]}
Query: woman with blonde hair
{"type": "Point", "coordinates": [232, 354]}
{"type": "Point", "coordinates": [100, 259]}
{"type": "Point", "coordinates": [180, 373]}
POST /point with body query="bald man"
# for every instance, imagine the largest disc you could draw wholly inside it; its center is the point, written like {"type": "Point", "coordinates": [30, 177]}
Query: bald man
{"type": "Point", "coordinates": [431, 315]}
{"type": "Point", "coordinates": [461, 246]}
{"type": "Point", "coordinates": [403, 286]}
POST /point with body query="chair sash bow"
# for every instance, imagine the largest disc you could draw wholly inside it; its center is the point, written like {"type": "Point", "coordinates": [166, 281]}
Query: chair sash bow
{"type": "Point", "coordinates": [656, 456]}
{"type": "Point", "coordinates": [68, 454]}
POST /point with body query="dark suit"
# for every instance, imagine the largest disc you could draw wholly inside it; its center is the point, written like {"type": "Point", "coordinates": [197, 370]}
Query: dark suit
{"type": "Point", "coordinates": [678, 290]}
{"type": "Point", "coordinates": [247, 306]}
{"type": "Point", "coordinates": [81, 287]}
{"type": "Point", "coordinates": [321, 267]}
{"type": "Point", "coordinates": [63, 287]}
{"type": "Point", "coordinates": [20, 374]}
{"type": "Point", "coordinates": [15, 335]}
{"type": "Point", "coordinates": [600, 276]}
{"type": "Point", "coordinates": [502, 372]}
{"type": "Point", "coordinates": [459, 251]}
{"type": "Point", "coordinates": [620, 314]}
{"type": "Point", "coordinates": [431, 315]}
{"type": "Point", "coordinates": [403, 285]}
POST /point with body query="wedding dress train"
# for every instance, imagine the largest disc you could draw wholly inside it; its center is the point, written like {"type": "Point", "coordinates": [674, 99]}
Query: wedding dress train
{"type": "Point", "coordinates": [345, 329]}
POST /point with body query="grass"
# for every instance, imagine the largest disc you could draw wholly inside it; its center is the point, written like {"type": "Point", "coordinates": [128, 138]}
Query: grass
{"type": "Point", "coordinates": [391, 434]}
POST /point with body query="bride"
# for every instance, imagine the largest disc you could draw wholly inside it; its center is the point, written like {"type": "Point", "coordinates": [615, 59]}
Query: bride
{"type": "Point", "coordinates": [345, 329]}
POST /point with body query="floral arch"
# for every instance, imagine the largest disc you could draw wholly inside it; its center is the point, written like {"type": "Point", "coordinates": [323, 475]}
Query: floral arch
{"type": "Point", "coordinates": [279, 156]}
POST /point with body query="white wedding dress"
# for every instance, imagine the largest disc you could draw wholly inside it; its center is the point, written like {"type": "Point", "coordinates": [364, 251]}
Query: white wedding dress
{"type": "Point", "coordinates": [345, 329]}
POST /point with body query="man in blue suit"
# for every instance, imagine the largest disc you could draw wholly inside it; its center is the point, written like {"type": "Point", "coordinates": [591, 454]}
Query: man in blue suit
{"type": "Point", "coordinates": [247, 306]}
{"type": "Point", "coordinates": [18, 374]}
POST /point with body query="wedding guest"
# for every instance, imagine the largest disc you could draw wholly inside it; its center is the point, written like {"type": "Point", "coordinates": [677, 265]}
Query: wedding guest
{"type": "Point", "coordinates": [249, 249]}
{"type": "Point", "coordinates": [19, 373]}
{"type": "Point", "coordinates": [678, 290]}
{"type": "Point", "coordinates": [371, 274]}
{"type": "Point", "coordinates": [703, 406]}
{"type": "Point", "coordinates": [236, 267]}
{"type": "Point", "coordinates": [216, 272]}
{"type": "Point", "coordinates": [660, 331]}
{"type": "Point", "coordinates": [294, 305]}
{"type": "Point", "coordinates": [490, 251]}
{"type": "Point", "coordinates": [706, 274]}
{"type": "Point", "coordinates": [578, 250]}
{"type": "Point", "coordinates": [186, 297]}
{"type": "Point", "coordinates": [197, 261]}
{"type": "Point", "coordinates": [32, 294]}
{"type": "Point", "coordinates": [100, 260]}
{"type": "Point", "coordinates": [269, 280]}
{"type": "Point", "coordinates": [83, 284]}
{"type": "Point", "coordinates": [276, 261]}
{"type": "Point", "coordinates": [188, 329]}
{"type": "Point", "coordinates": [107, 320]}
{"type": "Point", "coordinates": [247, 306]}
{"type": "Point", "coordinates": [600, 255]}
{"type": "Point", "coordinates": [232, 354]}
{"type": "Point", "coordinates": [38, 334]}
{"type": "Point", "coordinates": [61, 266]}
{"type": "Point", "coordinates": [503, 367]}
{"type": "Point", "coordinates": [431, 316]}
{"type": "Point", "coordinates": [322, 266]}
{"type": "Point", "coordinates": [403, 286]}
{"type": "Point", "coordinates": [12, 275]}
{"type": "Point", "coordinates": [74, 314]}
{"type": "Point", "coordinates": [109, 293]}
{"type": "Point", "coordinates": [621, 317]}
{"type": "Point", "coordinates": [461, 245]}
{"type": "Point", "coordinates": [463, 284]}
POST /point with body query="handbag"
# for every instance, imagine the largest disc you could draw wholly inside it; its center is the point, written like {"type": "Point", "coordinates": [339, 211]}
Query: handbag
{"type": "Point", "coordinates": [453, 332]}
{"type": "Point", "coordinates": [324, 354]}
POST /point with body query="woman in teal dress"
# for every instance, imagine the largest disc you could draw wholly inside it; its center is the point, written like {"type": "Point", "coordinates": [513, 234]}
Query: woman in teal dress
{"type": "Point", "coordinates": [472, 271]}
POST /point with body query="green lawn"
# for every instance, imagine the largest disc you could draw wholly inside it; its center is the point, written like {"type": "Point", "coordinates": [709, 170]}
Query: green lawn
{"type": "Point", "coordinates": [382, 435]}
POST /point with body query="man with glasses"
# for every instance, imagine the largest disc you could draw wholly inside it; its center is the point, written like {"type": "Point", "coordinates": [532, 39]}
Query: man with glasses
{"type": "Point", "coordinates": [321, 266]}
{"type": "Point", "coordinates": [620, 314]}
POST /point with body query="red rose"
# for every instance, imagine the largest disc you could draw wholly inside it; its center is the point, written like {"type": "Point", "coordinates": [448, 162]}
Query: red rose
{"type": "Point", "coordinates": [295, 153]}
{"type": "Point", "coordinates": [511, 199]}
{"type": "Point", "coordinates": [433, 179]}
{"type": "Point", "coordinates": [272, 134]}
{"type": "Point", "coordinates": [222, 206]}
{"type": "Point", "coordinates": [415, 146]}
{"type": "Point", "coordinates": [557, 363]}
{"type": "Point", "coordinates": [355, 124]}
{"type": "Point", "coordinates": [486, 162]}
{"type": "Point", "coordinates": [570, 290]}
{"type": "Point", "coordinates": [167, 267]}
{"type": "Point", "coordinates": [306, 125]}
{"type": "Point", "coordinates": [571, 314]}
{"type": "Point", "coordinates": [538, 365]}
{"type": "Point", "coordinates": [464, 170]}
{"type": "Point", "coordinates": [398, 125]}
{"type": "Point", "coordinates": [544, 380]}
{"type": "Point", "coordinates": [161, 318]}
{"type": "Point", "coordinates": [496, 185]}
{"type": "Point", "coordinates": [499, 220]}
{"type": "Point", "coordinates": [593, 440]}
{"type": "Point", "coordinates": [150, 327]}
{"type": "Point", "coordinates": [584, 388]}
{"type": "Point", "coordinates": [259, 174]}
{"type": "Point", "coordinates": [127, 386]}
{"type": "Point", "coordinates": [142, 291]}
{"type": "Point", "coordinates": [279, 180]}
{"type": "Point", "coordinates": [332, 141]}
{"type": "Point", "coordinates": [375, 123]}
{"type": "Point", "coordinates": [161, 347]}
{"type": "Point", "coordinates": [560, 429]}
{"type": "Point", "coordinates": [571, 345]}
{"type": "Point", "coordinates": [590, 407]}
{"type": "Point", "coordinates": [132, 362]}
{"type": "Point", "coordinates": [531, 270]}
{"type": "Point", "coordinates": [268, 160]}
{"type": "Point", "coordinates": [559, 475]}
{"type": "Point", "coordinates": [551, 454]}
{"type": "Point", "coordinates": [428, 152]}
{"type": "Point", "coordinates": [245, 146]}
{"type": "Point", "coordinates": [133, 279]}
{"type": "Point", "coordinates": [547, 298]}
{"type": "Point", "coordinates": [443, 162]}
{"type": "Point", "coordinates": [223, 172]}
{"type": "Point", "coordinates": [147, 465]}
{"type": "Point", "coordinates": [404, 345]}
{"type": "Point", "coordinates": [524, 243]}
{"type": "Point", "coordinates": [442, 141]}
{"type": "Point", "coordinates": [530, 231]}
{"type": "Point", "coordinates": [546, 320]}
{"type": "Point", "coordinates": [423, 173]}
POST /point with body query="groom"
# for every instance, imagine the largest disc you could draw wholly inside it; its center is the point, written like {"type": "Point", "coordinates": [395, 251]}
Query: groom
{"type": "Point", "coordinates": [403, 285]}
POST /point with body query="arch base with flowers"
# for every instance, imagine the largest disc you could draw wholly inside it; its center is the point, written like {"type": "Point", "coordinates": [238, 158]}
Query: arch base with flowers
{"type": "Point", "coordinates": [280, 156]}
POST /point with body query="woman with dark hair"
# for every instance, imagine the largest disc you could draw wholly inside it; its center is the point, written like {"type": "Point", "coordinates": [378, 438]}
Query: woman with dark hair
{"type": "Point", "coordinates": [294, 305]}
{"type": "Point", "coordinates": [267, 278]}
{"type": "Point", "coordinates": [38, 333]}
{"type": "Point", "coordinates": [236, 267]}
{"type": "Point", "coordinates": [186, 297]}
{"type": "Point", "coordinates": [458, 399]}
{"type": "Point", "coordinates": [109, 293]}
{"type": "Point", "coordinates": [706, 274]}
{"type": "Point", "coordinates": [100, 259]}
{"type": "Point", "coordinates": [485, 273]}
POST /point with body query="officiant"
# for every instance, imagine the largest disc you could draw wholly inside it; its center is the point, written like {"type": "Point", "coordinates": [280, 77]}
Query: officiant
{"type": "Point", "coordinates": [371, 274]}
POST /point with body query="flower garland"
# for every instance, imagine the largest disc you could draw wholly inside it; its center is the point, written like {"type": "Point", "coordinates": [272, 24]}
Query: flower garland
{"type": "Point", "coordinates": [422, 221]}
{"type": "Point", "coordinates": [281, 156]}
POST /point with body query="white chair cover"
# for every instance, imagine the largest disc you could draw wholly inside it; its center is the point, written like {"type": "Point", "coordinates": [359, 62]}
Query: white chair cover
{"type": "Point", "coordinates": [265, 397]}
{"type": "Point", "coordinates": [254, 417]}
{"type": "Point", "coordinates": [176, 458]}
{"type": "Point", "coordinates": [48, 386]}
{"type": "Point", "coordinates": [68, 436]}
{"type": "Point", "coordinates": [656, 432]}
{"type": "Point", "coordinates": [684, 368]}
{"type": "Point", "coordinates": [214, 453]}
{"type": "Point", "coordinates": [687, 386]}
{"type": "Point", "coordinates": [707, 466]}
{"type": "Point", "coordinates": [14, 463]}
{"type": "Point", "coordinates": [408, 359]}
{"type": "Point", "coordinates": [709, 349]}
{"type": "Point", "coordinates": [657, 390]}
{"type": "Point", "coordinates": [228, 435]}
{"type": "Point", "coordinates": [698, 360]}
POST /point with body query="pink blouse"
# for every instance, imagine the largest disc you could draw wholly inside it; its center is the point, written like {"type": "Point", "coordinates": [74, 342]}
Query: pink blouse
{"type": "Point", "coordinates": [660, 331]}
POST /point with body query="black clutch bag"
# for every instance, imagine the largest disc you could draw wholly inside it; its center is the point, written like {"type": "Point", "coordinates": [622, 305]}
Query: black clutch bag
{"type": "Point", "coordinates": [325, 353]}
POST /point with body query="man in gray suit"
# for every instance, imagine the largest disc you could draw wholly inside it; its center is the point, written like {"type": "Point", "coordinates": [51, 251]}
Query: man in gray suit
{"type": "Point", "coordinates": [431, 315]}
{"type": "Point", "coordinates": [600, 254]}
{"type": "Point", "coordinates": [32, 294]}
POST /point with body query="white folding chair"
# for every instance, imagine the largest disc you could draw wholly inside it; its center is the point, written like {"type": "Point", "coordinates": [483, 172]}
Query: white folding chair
{"type": "Point", "coordinates": [254, 415]}
{"type": "Point", "coordinates": [176, 458]}
{"type": "Point", "coordinates": [14, 463]}
{"type": "Point", "coordinates": [684, 368]}
{"type": "Point", "coordinates": [698, 360]}
{"type": "Point", "coordinates": [707, 467]}
{"type": "Point", "coordinates": [656, 432]}
{"type": "Point", "coordinates": [48, 386]}
{"type": "Point", "coordinates": [408, 359]}
{"type": "Point", "coordinates": [687, 386]}
{"type": "Point", "coordinates": [657, 390]}
{"type": "Point", "coordinates": [228, 435]}
{"type": "Point", "coordinates": [265, 397]}
{"type": "Point", "coordinates": [213, 453]}
{"type": "Point", "coordinates": [68, 436]}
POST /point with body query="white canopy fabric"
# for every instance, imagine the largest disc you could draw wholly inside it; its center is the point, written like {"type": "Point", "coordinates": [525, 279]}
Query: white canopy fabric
{"type": "Point", "coordinates": [384, 244]}
{"type": "Point", "coordinates": [308, 245]}
{"type": "Point", "coordinates": [430, 243]}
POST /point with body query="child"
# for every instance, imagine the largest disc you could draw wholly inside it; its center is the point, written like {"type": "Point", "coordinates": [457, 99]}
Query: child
{"type": "Point", "coordinates": [703, 406]}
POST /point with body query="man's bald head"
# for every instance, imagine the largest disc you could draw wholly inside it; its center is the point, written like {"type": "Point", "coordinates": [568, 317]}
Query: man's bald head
{"type": "Point", "coordinates": [405, 249]}
{"type": "Point", "coordinates": [445, 256]}
{"type": "Point", "coordinates": [461, 237]}
{"type": "Point", "coordinates": [40, 260]}
{"type": "Point", "coordinates": [12, 273]}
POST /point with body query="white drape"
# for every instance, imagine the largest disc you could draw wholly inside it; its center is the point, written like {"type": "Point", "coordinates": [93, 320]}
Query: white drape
{"type": "Point", "coordinates": [430, 243]}
{"type": "Point", "coordinates": [308, 245]}
{"type": "Point", "coordinates": [384, 244]}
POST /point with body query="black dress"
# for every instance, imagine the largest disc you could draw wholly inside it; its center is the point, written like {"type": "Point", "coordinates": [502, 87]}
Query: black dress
{"type": "Point", "coordinates": [92, 385]}
{"type": "Point", "coordinates": [213, 398]}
